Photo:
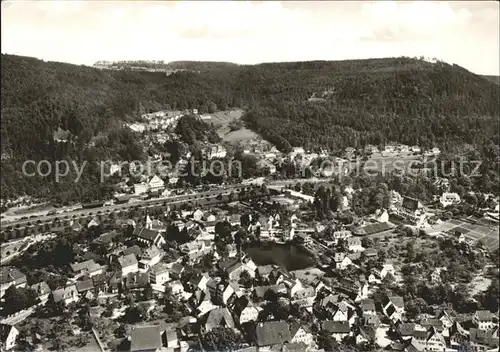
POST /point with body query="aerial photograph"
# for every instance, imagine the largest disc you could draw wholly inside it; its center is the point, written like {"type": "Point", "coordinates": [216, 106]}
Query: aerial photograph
{"type": "Point", "coordinates": [249, 176]}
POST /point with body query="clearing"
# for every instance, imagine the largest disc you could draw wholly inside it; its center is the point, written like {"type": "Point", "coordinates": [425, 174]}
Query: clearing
{"type": "Point", "coordinates": [221, 119]}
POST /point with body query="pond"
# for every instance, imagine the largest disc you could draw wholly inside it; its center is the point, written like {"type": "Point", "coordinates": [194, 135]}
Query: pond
{"type": "Point", "coordinates": [288, 256]}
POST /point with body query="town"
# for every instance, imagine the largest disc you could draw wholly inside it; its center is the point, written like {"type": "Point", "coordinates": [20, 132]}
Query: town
{"type": "Point", "coordinates": [291, 266]}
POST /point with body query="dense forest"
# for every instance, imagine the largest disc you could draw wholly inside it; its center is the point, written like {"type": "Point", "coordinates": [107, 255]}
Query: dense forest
{"type": "Point", "coordinates": [356, 102]}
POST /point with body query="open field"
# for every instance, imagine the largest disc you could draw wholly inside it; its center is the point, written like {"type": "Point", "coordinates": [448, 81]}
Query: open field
{"type": "Point", "coordinates": [475, 232]}
{"type": "Point", "coordinates": [222, 120]}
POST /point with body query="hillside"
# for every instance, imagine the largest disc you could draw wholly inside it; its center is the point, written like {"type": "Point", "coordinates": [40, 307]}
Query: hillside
{"type": "Point", "coordinates": [362, 101]}
{"type": "Point", "coordinates": [494, 79]}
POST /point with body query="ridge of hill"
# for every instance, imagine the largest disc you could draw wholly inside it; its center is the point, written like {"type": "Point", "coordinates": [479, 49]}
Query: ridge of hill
{"type": "Point", "coordinates": [315, 104]}
{"type": "Point", "coordinates": [494, 79]}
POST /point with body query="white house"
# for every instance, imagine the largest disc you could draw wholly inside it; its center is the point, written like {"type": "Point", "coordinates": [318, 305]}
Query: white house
{"type": "Point", "coordinates": [68, 294]}
{"type": "Point", "coordinates": [140, 188]}
{"type": "Point", "coordinates": [449, 199]}
{"type": "Point", "coordinates": [155, 184]}
{"type": "Point", "coordinates": [159, 274]}
{"type": "Point", "coordinates": [128, 264]}
{"type": "Point", "coordinates": [354, 244]}
{"type": "Point", "coordinates": [301, 334]}
{"type": "Point", "coordinates": [483, 319]}
{"type": "Point", "coordinates": [8, 335]}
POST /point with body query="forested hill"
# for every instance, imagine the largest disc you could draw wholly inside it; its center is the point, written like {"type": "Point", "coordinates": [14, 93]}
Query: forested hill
{"type": "Point", "coordinates": [494, 79]}
{"type": "Point", "coordinates": [315, 104]}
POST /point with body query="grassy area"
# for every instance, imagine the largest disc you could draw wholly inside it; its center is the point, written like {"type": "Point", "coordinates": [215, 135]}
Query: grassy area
{"type": "Point", "coordinates": [222, 119]}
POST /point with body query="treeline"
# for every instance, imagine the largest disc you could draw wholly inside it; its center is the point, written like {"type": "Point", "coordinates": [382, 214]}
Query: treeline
{"type": "Point", "coordinates": [364, 101]}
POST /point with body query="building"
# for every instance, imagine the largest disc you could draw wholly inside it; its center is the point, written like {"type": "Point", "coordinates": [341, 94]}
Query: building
{"type": "Point", "coordinates": [412, 211]}
{"type": "Point", "coordinates": [368, 307]}
{"type": "Point", "coordinates": [147, 236]}
{"type": "Point", "coordinates": [216, 152]}
{"type": "Point", "coordinates": [338, 329]}
{"type": "Point", "coordinates": [484, 340]}
{"type": "Point", "coordinates": [159, 274]}
{"type": "Point", "coordinates": [68, 294]}
{"type": "Point", "coordinates": [140, 188]}
{"type": "Point", "coordinates": [150, 257]}
{"type": "Point", "coordinates": [354, 244]}
{"type": "Point", "coordinates": [301, 334]}
{"type": "Point", "coordinates": [89, 268]}
{"type": "Point", "coordinates": [128, 264]}
{"type": "Point", "coordinates": [42, 290]}
{"type": "Point", "coordinates": [448, 199]}
{"type": "Point", "coordinates": [155, 183]}
{"type": "Point", "coordinates": [10, 276]}
{"type": "Point", "coordinates": [218, 317]}
{"type": "Point", "coordinates": [8, 336]}
{"type": "Point", "coordinates": [145, 338]}
{"type": "Point", "coordinates": [244, 310]}
{"type": "Point", "coordinates": [483, 319]}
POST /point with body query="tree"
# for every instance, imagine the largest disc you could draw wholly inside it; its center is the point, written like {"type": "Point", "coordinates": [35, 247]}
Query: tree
{"type": "Point", "coordinates": [245, 279]}
{"type": "Point", "coordinates": [220, 339]}
{"type": "Point", "coordinates": [147, 292]}
{"type": "Point", "coordinates": [327, 342]}
{"type": "Point", "coordinates": [135, 314]}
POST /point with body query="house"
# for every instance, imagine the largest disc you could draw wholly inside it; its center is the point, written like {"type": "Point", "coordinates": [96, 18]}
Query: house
{"type": "Point", "coordinates": [176, 287]}
{"type": "Point", "coordinates": [381, 215]}
{"type": "Point", "coordinates": [42, 290]}
{"type": "Point", "coordinates": [343, 263]}
{"type": "Point", "coordinates": [68, 294]}
{"type": "Point", "coordinates": [146, 338]}
{"type": "Point", "coordinates": [198, 215]}
{"type": "Point", "coordinates": [136, 280]}
{"type": "Point", "coordinates": [85, 288]}
{"type": "Point", "coordinates": [371, 149]}
{"type": "Point", "coordinates": [484, 340]}
{"type": "Point", "coordinates": [264, 271]}
{"type": "Point", "coordinates": [150, 257]}
{"type": "Point", "coordinates": [444, 316]}
{"type": "Point", "coordinates": [155, 183]}
{"type": "Point", "coordinates": [170, 339]}
{"type": "Point", "coordinates": [8, 336]}
{"type": "Point", "coordinates": [341, 235]}
{"type": "Point", "coordinates": [368, 307]}
{"type": "Point", "coordinates": [148, 236]}
{"type": "Point", "coordinates": [393, 308]}
{"type": "Point", "coordinates": [301, 334]}
{"type": "Point", "coordinates": [106, 240]}
{"type": "Point", "coordinates": [272, 333]}
{"type": "Point", "coordinates": [354, 244]}
{"type": "Point", "coordinates": [198, 282]}
{"type": "Point", "coordinates": [427, 340]}
{"type": "Point", "coordinates": [483, 319]}
{"type": "Point", "coordinates": [379, 273]}
{"type": "Point", "coordinates": [140, 188]}
{"type": "Point", "coordinates": [128, 264]}
{"type": "Point", "coordinates": [338, 329]}
{"type": "Point", "coordinates": [411, 210]}
{"type": "Point", "coordinates": [10, 276]}
{"type": "Point", "coordinates": [159, 274]}
{"type": "Point", "coordinates": [354, 288]}
{"type": "Point", "coordinates": [449, 199]}
{"type": "Point", "coordinates": [244, 310]}
{"type": "Point", "coordinates": [218, 317]}
{"type": "Point", "coordinates": [176, 270]}
{"type": "Point", "coordinates": [88, 267]}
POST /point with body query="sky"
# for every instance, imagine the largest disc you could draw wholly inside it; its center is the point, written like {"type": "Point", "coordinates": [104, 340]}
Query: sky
{"type": "Point", "coordinates": [83, 32]}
